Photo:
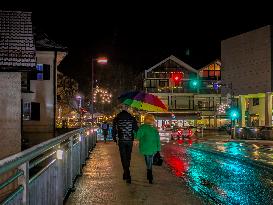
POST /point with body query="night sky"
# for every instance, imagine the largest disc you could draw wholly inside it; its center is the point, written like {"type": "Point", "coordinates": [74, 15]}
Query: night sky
{"type": "Point", "coordinates": [140, 35]}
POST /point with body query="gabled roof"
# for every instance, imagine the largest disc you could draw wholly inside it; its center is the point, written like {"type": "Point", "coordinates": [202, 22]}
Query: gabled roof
{"type": "Point", "coordinates": [217, 61]}
{"type": "Point", "coordinates": [17, 50]}
{"type": "Point", "coordinates": [176, 60]}
{"type": "Point", "coordinates": [43, 42]}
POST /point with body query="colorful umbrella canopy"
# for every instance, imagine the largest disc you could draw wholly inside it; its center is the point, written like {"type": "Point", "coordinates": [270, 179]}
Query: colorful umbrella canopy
{"type": "Point", "coordinates": [143, 101]}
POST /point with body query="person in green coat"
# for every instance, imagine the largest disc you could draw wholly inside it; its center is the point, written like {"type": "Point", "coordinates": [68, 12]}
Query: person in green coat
{"type": "Point", "coordinates": [149, 143]}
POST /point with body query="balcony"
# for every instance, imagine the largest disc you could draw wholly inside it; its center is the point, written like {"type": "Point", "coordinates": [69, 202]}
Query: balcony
{"type": "Point", "coordinates": [165, 86]}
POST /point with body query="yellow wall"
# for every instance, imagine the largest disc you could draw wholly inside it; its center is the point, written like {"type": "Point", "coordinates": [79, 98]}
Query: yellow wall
{"type": "Point", "coordinates": [258, 109]}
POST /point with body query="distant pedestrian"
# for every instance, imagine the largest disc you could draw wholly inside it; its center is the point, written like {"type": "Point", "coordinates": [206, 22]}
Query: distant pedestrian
{"type": "Point", "coordinates": [124, 127]}
{"type": "Point", "coordinates": [149, 143]}
{"type": "Point", "coordinates": [105, 130]}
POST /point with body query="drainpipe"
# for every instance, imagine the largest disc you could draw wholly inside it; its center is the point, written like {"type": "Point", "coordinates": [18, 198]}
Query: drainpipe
{"type": "Point", "coordinates": [54, 91]}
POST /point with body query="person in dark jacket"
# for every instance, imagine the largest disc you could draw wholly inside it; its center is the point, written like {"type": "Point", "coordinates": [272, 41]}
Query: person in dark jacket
{"type": "Point", "coordinates": [105, 130]}
{"type": "Point", "coordinates": [124, 128]}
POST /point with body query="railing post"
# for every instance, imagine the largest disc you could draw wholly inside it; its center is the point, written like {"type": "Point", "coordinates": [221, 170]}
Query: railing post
{"type": "Point", "coordinates": [79, 155]}
{"type": "Point", "coordinates": [59, 181]}
{"type": "Point", "coordinates": [72, 188]}
{"type": "Point", "coordinates": [81, 141]}
{"type": "Point", "coordinates": [24, 181]}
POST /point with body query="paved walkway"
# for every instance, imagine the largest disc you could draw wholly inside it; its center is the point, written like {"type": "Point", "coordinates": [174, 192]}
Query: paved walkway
{"type": "Point", "coordinates": [102, 182]}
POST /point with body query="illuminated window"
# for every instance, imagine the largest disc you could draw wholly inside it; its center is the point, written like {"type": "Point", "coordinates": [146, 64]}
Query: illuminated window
{"type": "Point", "coordinates": [217, 73]}
{"type": "Point", "coordinates": [217, 67]}
{"type": "Point", "coordinates": [205, 73]}
{"type": "Point", "coordinates": [42, 72]}
{"type": "Point", "coordinates": [211, 67]}
{"type": "Point", "coordinates": [213, 71]}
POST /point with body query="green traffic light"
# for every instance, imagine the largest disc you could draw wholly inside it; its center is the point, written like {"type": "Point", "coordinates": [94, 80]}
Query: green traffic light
{"type": "Point", "coordinates": [194, 84]}
{"type": "Point", "coordinates": [234, 114]}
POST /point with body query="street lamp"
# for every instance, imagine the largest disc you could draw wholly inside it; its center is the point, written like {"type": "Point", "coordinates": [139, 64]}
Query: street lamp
{"type": "Point", "coordinates": [79, 98]}
{"type": "Point", "coordinates": [102, 61]}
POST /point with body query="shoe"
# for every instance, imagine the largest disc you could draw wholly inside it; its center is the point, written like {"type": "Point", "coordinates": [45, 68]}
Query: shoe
{"type": "Point", "coordinates": [128, 180]}
{"type": "Point", "coordinates": [150, 176]}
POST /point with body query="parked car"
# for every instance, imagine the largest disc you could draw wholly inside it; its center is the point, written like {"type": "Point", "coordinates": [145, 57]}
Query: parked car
{"type": "Point", "coordinates": [181, 133]}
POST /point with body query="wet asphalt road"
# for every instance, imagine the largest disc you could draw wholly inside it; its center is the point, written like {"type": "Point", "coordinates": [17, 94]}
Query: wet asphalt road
{"type": "Point", "coordinates": [223, 172]}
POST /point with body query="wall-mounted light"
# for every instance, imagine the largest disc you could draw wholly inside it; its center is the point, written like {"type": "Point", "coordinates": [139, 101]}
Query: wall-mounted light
{"type": "Point", "coordinates": [80, 138]}
{"type": "Point", "coordinates": [60, 154]}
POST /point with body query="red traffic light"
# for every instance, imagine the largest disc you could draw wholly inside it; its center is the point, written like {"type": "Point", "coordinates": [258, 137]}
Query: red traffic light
{"type": "Point", "coordinates": [177, 77]}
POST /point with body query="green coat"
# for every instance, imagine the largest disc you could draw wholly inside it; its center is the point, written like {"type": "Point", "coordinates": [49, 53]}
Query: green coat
{"type": "Point", "coordinates": [149, 140]}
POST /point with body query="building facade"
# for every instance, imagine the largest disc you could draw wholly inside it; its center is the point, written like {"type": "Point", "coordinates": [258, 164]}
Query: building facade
{"type": "Point", "coordinates": [247, 69]}
{"type": "Point", "coordinates": [17, 54]}
{"type": "Point", "coordinates": [172, 81]}
{"type": "Point", "coordinates": [39, 96]}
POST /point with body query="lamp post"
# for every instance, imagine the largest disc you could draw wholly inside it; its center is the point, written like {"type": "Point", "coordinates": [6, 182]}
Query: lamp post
{"type": "Point", "coordinates": [102, 61]}
{"type": "Point", "coordinates": [79, 98]}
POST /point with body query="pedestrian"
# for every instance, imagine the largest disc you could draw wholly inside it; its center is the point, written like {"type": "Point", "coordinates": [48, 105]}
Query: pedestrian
{"type": "Point", "coordinates": [124, 128]}
{"type": "Point", "coordinates": [149, 143]}
{"type": "Point", "coordinates": [105, 129]}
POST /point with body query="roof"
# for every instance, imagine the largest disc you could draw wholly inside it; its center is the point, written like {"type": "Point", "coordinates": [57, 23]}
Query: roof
{"type": "Point", "coordinates": [217, 61]}
{"type": "Point", "coordinates": [43, 42]}
{"type": "Point", "coordinates": [176, 60]}
{"type": "Point", "coordinates": [17, 50]}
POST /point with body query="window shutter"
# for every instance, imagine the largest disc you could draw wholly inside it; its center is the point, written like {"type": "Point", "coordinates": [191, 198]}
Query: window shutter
{"type": "Point", "coordinates": [33, 75]}
{"type": "Point", "coordinates": [35, 111]}
{"type": "Point", "coordinates": [46, 72]}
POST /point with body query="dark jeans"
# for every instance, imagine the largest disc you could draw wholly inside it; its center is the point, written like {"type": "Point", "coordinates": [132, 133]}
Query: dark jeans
{"type": "Point", "coordinates": [149, 161]}
{"type": "Point", "coordinates": [125, 150]}
{"type": "Point", "coordinates": [105, 133]}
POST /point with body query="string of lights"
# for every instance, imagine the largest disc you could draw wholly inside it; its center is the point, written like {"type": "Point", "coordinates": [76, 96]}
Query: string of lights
{"type": "Point", "coordinates": [222, 108]}
{"type": "Point", "coordinates": [101, 95]}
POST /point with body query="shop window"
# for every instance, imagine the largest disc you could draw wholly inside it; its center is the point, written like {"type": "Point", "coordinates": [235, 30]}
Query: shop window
{"type": "Point", "coordinates": [26, 111]}
{"type": "Point", "coordinates": [31, 111]}
{"type": "Point", "coordinates": [255, 101]}
{"type": "Point", "coordinates": [152, 83]}
{"type": "Point", "coordinates": [163, 83]}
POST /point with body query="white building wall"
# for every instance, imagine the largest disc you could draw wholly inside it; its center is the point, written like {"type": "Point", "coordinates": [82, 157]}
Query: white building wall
{"type": "Point", "coordinates": [246, 61]}
{"type": "Point", "coordinates": [10, 113]}
{"type": "Point", "coordinates": [43, 94]}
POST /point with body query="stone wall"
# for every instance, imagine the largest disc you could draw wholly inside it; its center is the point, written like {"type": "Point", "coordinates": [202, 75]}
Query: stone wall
{"type": "Point", "coordinates": [246, 61]}
{"type": "Point", "coordinates": [10, 113]}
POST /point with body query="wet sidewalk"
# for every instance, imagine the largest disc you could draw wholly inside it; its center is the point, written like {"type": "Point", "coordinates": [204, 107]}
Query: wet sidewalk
{"type": "Point", "coordinates": [102, 182]}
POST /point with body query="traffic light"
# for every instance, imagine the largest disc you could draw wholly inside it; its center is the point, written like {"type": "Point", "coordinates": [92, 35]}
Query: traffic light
{"type": "Point", "coordinates": [194, 83]}
{"type": "Point", "coordinates": [234, 113]}
{"type": "Point", "coordinates": [177, 77]}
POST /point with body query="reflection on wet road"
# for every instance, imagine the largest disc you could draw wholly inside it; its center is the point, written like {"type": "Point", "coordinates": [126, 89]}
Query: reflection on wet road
{"type": "Point", "coordinates": [223, 173]}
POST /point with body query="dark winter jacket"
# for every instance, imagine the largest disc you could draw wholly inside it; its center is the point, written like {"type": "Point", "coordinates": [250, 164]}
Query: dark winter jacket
{"type": "Point", "coordinates": [124, 127]}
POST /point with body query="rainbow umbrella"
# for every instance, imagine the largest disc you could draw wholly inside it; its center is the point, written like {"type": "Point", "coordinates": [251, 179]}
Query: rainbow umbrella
{"type": "Point", "coordinates": [143, 101]}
